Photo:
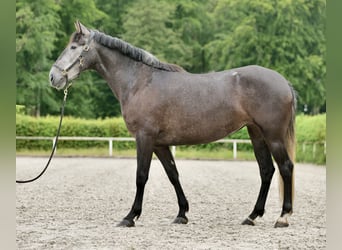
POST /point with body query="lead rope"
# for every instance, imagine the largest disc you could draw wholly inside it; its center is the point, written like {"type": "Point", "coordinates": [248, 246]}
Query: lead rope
{"type": "Point", "coordinates": [55, 144]}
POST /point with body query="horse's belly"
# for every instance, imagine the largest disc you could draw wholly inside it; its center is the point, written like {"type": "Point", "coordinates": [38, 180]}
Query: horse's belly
{"type": "Point", "coordinates": [197, 132]}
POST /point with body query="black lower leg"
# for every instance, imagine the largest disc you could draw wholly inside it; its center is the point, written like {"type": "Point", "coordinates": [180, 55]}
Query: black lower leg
{"type": "Point", "coordinates": [183, 205]}
{"type": "Point", "coordinates": [285, 166]}
{"type": "Point", "coordinates": [266, 168]}
{"type": "Point", "coordinates": [259, 208]}
{"type": "Point", "coordinates": [286, 171]}
{"type": "Point", "coordinates": [166, 158]}
{"type": "Point", "coordinates": [135, 211]}
{"type": "Point", "coordinates": [144, 156]}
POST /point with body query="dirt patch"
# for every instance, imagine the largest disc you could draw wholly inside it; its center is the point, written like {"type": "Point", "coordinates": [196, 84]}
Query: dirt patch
{"type": "Point", "coordinates": [79, 201]}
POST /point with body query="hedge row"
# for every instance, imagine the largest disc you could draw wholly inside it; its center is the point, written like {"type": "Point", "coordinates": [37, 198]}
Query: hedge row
{"type": "Point", "coordinates": [47, 126]}
{"type": "Point", "coordinates": [311, 128]}
{"type": "Point", "coordinates": [308, 129]}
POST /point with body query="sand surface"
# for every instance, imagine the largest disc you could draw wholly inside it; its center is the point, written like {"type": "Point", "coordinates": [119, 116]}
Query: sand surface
{"type": "Point", "coordinates": [78, 202]}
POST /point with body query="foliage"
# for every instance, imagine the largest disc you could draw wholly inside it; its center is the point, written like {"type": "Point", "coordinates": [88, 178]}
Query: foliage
{"type": "Point", "coordinates": [37, 26]}
{"type": "Point", "coordinates": [311, 136]}
{"type": "Point", "coordinates": [47, 126]}
{"type": "Point", "coordinates": [20, 109]}
{"type": "Point", "coordinates": [201, 36]}
{"type": "Point", "coordinates": [311, 128]}
{"type": "Point", "coordinates": [148, 27]}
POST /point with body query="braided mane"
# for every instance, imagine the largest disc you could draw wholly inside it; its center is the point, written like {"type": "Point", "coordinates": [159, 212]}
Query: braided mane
{"type": "Point", "coordinates": [133, 52]}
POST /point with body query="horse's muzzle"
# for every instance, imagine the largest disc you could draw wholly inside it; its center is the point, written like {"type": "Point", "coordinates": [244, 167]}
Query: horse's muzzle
{"type": "Point", "coordinates": [57, 80]}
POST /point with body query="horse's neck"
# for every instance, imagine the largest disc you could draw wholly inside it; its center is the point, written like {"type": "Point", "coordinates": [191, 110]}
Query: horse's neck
{"type": "Point", "coordinates": [120, 72]}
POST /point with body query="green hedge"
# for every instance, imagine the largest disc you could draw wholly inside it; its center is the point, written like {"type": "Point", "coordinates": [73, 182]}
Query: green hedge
{"type": "Point", "coordinates": [309, 129]}
{"type": "Point", "coordinates": [310, 135]}
{"type": "Point", "coordinates": [47, 126]}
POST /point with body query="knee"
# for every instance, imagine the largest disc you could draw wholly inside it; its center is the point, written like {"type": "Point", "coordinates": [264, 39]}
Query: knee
{"type": "Point", "coordinates": [173, 177]}
{"type": "Point", "coordinates": [270, 172]}
{"type": "Point", "coordinates": [267, 174]}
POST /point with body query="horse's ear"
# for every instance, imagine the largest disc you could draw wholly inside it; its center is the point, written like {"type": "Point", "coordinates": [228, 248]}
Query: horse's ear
{"type": "Point", "coordinates": [80, 28]}
{"type": "Point", "coordinates": [77, 26]}
{"type": "Point", "coordinates": [84, 30]}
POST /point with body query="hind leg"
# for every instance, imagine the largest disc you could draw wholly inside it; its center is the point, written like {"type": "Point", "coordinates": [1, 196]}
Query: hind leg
{"type": "Point", "coordinates": [285, 166]}
{"type": "Point", "coordinates": [264, 159]}
{"type": "Point", "coordinates": [166, 158]}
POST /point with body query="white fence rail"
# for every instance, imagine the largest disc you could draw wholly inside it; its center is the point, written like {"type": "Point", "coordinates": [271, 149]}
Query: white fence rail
{"type": "Point", "coordinates": [111, 139]}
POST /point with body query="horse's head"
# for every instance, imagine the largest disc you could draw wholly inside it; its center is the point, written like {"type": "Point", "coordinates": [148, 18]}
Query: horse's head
{"type": "Point", "coordinates": [75, 58]}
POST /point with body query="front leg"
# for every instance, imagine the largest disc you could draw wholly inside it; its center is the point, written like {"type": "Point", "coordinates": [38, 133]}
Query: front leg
{"type": "Point", "coordinates": [144, 155]}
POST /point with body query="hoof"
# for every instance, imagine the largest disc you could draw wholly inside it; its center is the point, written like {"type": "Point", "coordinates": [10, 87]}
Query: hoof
{"type": "Point", "coordinates": [281, 224]}
{"type": "Point", "coordinates": [126, 223]}
{"type": "Point", "coordinates": [248, 222]}
{"type": "Point", "coordinates": [181, 220]}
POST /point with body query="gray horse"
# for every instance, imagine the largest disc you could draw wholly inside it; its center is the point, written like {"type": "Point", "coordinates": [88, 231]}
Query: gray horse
{"type": "Point", "coordinates": [164, 105]}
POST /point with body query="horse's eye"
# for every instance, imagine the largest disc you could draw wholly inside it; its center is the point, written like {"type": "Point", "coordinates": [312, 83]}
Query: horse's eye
{"type": "Point", "coordinates": [73, 47]}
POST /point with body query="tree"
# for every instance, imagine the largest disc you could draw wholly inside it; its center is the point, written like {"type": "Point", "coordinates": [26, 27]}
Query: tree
{"type": "Point", "coordinates": [115, 10]}
{"type": "Point", "coordinates": [37, 24]}
{"type": "Point", "coordinates": [149, 25]}
{"type": "Point", "coordinates": [287, 36]}
{"type": "Point", "coordinates": [193, 23]}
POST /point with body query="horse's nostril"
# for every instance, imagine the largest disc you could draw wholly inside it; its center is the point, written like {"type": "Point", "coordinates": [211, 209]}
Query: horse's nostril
{"type": "Point", "coordinates": [51, 77]}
